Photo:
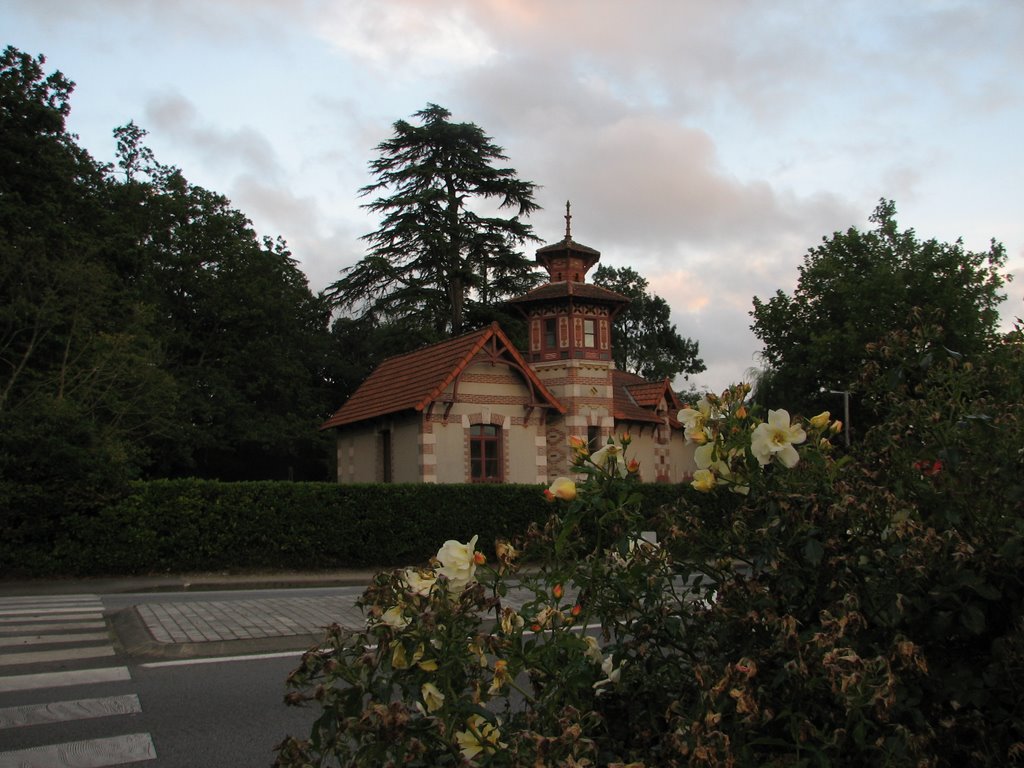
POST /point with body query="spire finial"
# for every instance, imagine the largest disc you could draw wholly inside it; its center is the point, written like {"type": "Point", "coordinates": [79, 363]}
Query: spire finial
{"type": "Point", "coordinates": [568, 222]}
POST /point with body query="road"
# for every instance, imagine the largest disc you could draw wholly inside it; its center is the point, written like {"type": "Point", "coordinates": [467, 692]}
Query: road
{"type": "Point", "coordinates": [85, 682]}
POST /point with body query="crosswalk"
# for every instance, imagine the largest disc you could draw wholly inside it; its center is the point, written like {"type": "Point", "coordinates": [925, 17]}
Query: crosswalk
{"type": "Point", "coordinates": [64, 700]}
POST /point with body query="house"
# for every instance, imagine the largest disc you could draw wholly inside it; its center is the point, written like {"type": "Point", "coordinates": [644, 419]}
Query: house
{"type": "Point", "coordinates": [476, 409]}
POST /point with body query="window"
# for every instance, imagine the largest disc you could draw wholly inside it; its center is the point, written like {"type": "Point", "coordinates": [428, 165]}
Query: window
{"type": "Point", "coordinates": [550, 333]}
{"type": "Point", "coordinates": [594, 439]}
{"type": "Point", "coordinates": [485, 464]}
{"type": "Point", "coordinates": [588, 333]}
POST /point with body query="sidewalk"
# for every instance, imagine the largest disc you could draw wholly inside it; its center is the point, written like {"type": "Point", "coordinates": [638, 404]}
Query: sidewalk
{"type": "Point", "coordinates": [223, 625]}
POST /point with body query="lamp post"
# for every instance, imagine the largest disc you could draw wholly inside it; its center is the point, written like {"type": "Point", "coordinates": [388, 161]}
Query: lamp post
{"type": "Point", "coordinates": [846, 412]}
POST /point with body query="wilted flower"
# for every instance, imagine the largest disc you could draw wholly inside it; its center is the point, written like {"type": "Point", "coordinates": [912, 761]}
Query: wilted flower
{"type": "Point", "coordinates": [420, 581]}
{"type": "Point", "coordinates": [543, 617]}
{"type": "Point", "coordinates": [501, 677]}
{"type": "Point", "coordinates": [510, 620]}
{"type": "Point", "coordinates": [562, 488]}
{"type": "Point", "coordinates": [612, 674]}
{"type": "Point", "coordinates": [777, 437]}
{"type": "Point", "coordinates": [505, 551]}
{"type": "Point", "coordinates": [395, 617]}
{"type": "Point", "coordinates": [459, 562]}
{"type": "Point", "coordinates": [593, 650]}
{"type": "Point", "coordinates": [481, 736]}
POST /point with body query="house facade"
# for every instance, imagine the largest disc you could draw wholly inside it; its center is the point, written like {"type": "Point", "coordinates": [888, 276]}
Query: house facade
{"type": "Point", "coordinates": [476, 409]}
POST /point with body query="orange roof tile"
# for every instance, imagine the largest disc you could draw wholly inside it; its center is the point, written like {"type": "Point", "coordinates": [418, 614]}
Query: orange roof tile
{"type": "Point", "coordinates": [563, 289]}
{"type": "Point", "coordinates": [636, 398]}
{"type": "Point", "coordinates": [413, 380]}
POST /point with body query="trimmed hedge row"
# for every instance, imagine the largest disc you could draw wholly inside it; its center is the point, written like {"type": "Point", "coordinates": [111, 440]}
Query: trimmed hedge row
{"type": "Point", "coordinates": [203, 525]}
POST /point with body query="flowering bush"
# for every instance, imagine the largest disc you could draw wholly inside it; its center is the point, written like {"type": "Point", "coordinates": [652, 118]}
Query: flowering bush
{"type": "Point", "coordinates": [819, 616]}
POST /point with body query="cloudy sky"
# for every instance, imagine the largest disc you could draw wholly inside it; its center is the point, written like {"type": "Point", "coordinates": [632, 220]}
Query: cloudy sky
{"type": "Point", "coordinates": [706, 144]}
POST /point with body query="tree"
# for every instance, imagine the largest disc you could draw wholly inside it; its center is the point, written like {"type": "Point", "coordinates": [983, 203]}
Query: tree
{"type": "Point", "coordinates": [855, 288]}
{"type": "Point", "coordinates": [435, 255]}
{"type": "Point", "coordinates": [644, 339]}
{"type": "Point", "coordinates": [244, 338]}
{"type": "Point", "coordinates": [81, 384]}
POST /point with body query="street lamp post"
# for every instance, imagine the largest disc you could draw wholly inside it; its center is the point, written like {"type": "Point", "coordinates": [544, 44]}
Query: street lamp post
{"type": "Point", "coordinates": [846, 412]}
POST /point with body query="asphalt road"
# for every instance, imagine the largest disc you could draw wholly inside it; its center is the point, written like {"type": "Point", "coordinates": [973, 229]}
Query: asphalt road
{"type": "Point", "coordinates": [73, 693]}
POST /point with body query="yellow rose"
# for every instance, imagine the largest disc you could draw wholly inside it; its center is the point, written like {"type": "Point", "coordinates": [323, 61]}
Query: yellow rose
{"type": "Point", "coordinates": [458, 562]}
{"type": "Point", "coordinates": [821, 420]}
{"type": "Point", "coordinates": [704, 480]}
{"type": "Point", "coordinates": [562, 488]}
{"type": "Point", "coordinates": [433, 699]}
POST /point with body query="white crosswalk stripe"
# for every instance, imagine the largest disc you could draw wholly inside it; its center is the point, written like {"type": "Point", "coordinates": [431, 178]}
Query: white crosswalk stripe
{"type": "Point", "coordinates": [47, 646]}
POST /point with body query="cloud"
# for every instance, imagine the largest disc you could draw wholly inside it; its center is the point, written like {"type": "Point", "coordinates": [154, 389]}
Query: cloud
{"type": "Point", "coordinates": [174, 116]}
{"type": "Point", "coordinates": [405, 39]}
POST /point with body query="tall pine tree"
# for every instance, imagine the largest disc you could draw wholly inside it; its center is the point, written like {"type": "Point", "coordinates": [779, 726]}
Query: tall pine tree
{"type": "Point", "coordinates": [437, 258]}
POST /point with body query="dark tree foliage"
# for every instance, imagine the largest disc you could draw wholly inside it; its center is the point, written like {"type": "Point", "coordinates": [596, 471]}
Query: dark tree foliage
{"type": "Point", "coordinates": [855, 288]}
{"type": "Point", "coordinates": [244, 338]}
{"type": "Point", "coordinates": [436, 259]}
{"type": "Point", "coordinates": [80, 382]}
{"type": "Point", "coordinates": [144, 329]}
{"type": "Point", "coordinates": [644, 339]}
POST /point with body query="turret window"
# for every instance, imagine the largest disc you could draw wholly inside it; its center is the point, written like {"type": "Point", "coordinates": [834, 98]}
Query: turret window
{"type": "Point", "coordinates": [588, 333]}
{"type": "Point", "coordinates": [550, 333]}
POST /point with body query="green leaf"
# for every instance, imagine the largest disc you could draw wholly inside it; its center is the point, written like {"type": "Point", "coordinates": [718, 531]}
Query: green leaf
{"type": "Point", "coordinates": [814, 551]}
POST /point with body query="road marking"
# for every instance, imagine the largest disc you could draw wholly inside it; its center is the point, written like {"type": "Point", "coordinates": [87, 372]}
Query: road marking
{"type": "Point", "coordinates": [219, 659]}
{"type": "Point", "coordinates": [64, 711]}
{"type": "Point", "coordinates": [60, 679]}
{"type": "Point", "coordinates": [63, 654]}
{"type": "Point", "coordinates": [286, 654]}
{"type": "Point", "coordinates": [49, 626]}
{"type": "Point", "coordinates": [38, 610]}
{"type": "Point", "coordinates": [94, 753]}
{"type": "Point", "coordinates": [36, 599]}
{"type": "Point", "coordinates": [52, 639]}
{"type": "Point", "coordinates": [43, 616]}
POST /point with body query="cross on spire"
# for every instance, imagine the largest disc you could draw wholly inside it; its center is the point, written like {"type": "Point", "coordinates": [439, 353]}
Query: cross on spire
{"type": "Point", "coordinates": [568, 222]}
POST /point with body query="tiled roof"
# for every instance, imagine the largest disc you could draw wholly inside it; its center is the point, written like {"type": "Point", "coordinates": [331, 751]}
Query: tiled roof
{"type": "Point", "coordinates": [568, 245]}
{"type": "Point", "coordinates": [635, 398]}
{"type": "Point", "coordinates": [413, 380]}
{"type": "Point", "coordinates": [565, 289]}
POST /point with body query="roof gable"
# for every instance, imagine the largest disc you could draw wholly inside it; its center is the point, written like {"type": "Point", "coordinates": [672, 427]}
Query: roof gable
{"type": "Point", "coordinates": [411, 382]}
{"type": "Point", "coordinates": [637, 399]}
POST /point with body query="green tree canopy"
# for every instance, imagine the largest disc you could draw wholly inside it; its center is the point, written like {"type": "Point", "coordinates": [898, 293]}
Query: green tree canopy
{"type": "Point", "coordinates": [436, 255]}
{"type": "Point", "coordinates": [855, 288]}
{"type": "Point", "coordinates": [243, 336]}
{"type": "Point", "coordinates": [145, 330]}
{"type": "Point", "coordinates": [644, 339]}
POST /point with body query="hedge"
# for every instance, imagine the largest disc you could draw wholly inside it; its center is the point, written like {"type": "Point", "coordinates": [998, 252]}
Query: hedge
{"type": "Point", "coordinates": [204, 525]}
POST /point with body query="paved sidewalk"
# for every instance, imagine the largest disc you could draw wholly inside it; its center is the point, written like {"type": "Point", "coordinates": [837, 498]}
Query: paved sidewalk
{"type": "Point", "coordinates": [158, 628]}
{"type": "Point", "coordinates": [225, 620]}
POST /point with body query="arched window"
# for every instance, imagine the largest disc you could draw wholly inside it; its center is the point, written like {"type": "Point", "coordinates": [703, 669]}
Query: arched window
{"type": "Point", "coordinates": [485, 464]}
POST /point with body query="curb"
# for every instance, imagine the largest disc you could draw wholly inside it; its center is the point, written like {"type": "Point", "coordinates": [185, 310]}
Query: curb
{"type": "Point", "coordinates": [133, 640]}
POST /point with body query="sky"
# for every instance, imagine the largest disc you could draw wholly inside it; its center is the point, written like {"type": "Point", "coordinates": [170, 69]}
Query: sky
{"type": "Point", "coordinates": [707, 145]}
